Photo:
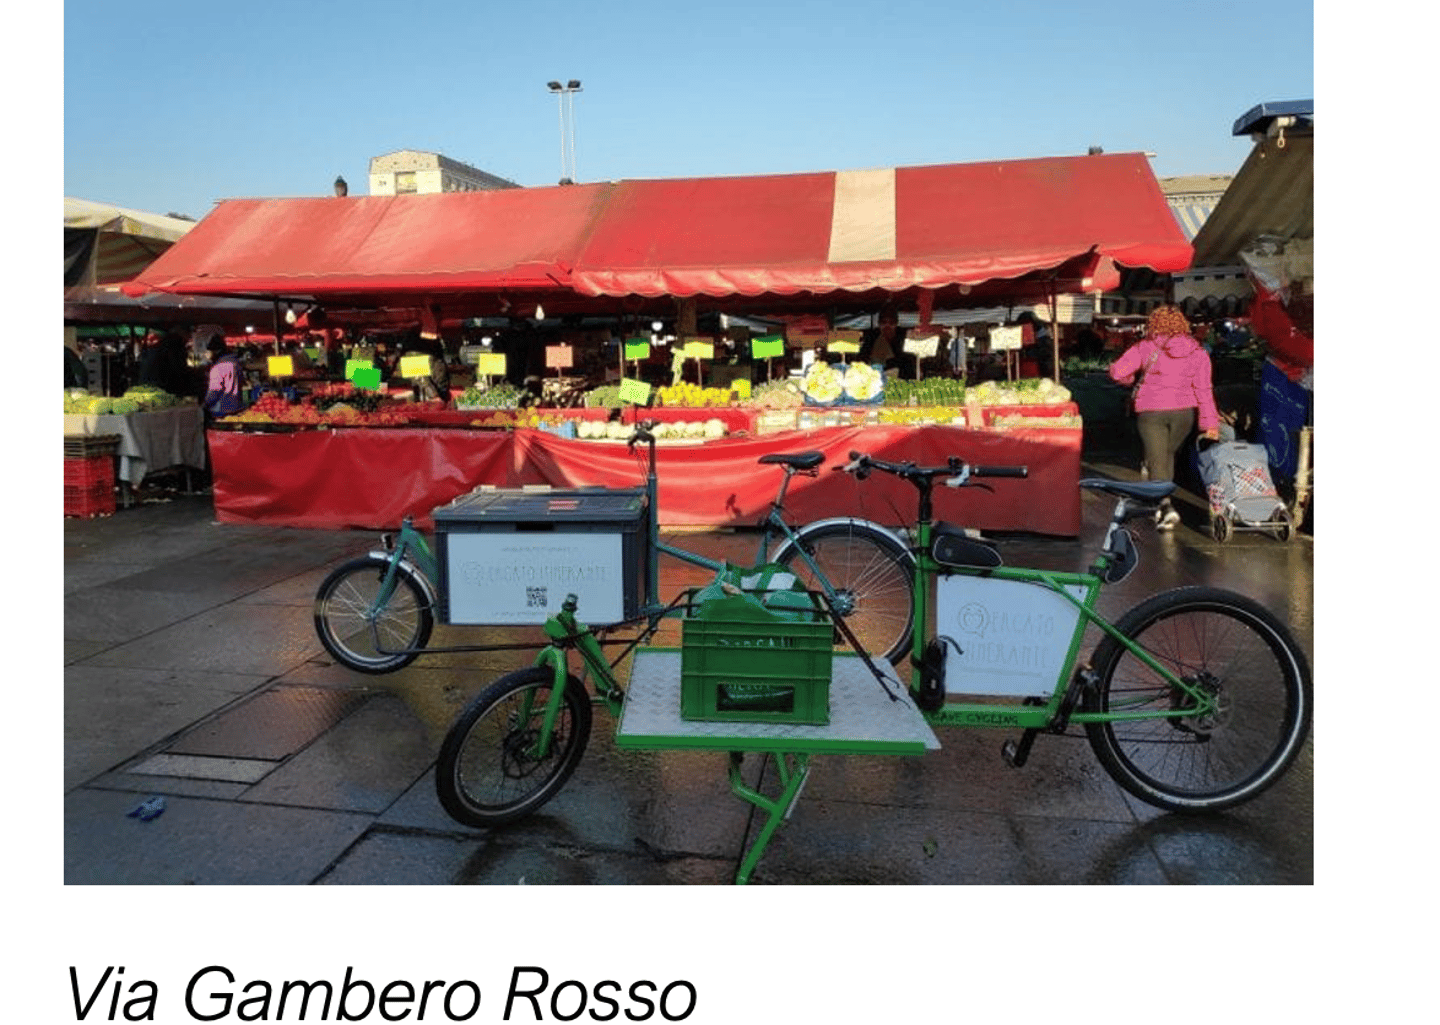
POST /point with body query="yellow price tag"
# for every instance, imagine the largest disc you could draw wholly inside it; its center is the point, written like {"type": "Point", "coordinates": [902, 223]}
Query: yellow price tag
{"type": "Point", "coordinates": [414, 366]}
{"type": "Point", "coordinates": [280, 366]}
{"type": "Point", "coordinates": [696, 349]}
{"type": "Point", "coordinates": [490, 364]}
{"type": "Point", "coordinates": [741, 388]}
{"type": "Point", "coordinates": [847, 348]}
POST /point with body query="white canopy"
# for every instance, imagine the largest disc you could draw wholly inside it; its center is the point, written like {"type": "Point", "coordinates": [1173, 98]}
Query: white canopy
{"type": "Point", "coordinates": [106, 243]}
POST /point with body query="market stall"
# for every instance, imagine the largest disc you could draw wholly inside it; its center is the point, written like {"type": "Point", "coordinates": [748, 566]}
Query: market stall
{"type": "Point", "coordinates": [149, 441]}
{"type": "Point", "coordinates": [808, 247]}
{"type": "Point", "coordinates": [373, 478]}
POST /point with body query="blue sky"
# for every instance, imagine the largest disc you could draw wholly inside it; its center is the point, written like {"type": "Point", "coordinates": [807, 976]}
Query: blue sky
{"type": "Point", "coordinates": [170, 106]}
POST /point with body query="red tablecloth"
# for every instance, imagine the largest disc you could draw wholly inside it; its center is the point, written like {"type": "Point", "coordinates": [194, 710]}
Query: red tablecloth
{"type": "Point", "coordinates": [372, 477]}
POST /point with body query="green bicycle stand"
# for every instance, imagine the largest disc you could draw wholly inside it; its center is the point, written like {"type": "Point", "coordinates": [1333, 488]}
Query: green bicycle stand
{"type": "Point", "coordinates": [864, 720]}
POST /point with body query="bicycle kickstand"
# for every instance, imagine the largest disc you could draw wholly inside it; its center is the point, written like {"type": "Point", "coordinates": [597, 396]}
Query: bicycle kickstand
{"type": "Point", "coordinates": [1017, 753]}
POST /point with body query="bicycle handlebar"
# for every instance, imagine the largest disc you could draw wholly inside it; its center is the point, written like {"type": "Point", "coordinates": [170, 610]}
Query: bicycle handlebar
{"type": "Point", "coordinates": [642, 433]}
{"type": "Point", "coordinates": [957, 469]}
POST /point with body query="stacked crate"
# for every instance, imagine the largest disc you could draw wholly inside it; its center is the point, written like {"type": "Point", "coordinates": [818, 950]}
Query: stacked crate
{"type": "Point", "coordinates": [90, 474]}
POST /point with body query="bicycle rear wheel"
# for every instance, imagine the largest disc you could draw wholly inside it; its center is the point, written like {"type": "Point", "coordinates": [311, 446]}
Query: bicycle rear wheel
{"type": "Point", "coordinates": [1230, 647]}
{"type": "Point", "coordinates": [871, 574]}
{"type": "Point", "coordinates": [343, 621]}
{"type": "Point", "coordinates": [488, 773]}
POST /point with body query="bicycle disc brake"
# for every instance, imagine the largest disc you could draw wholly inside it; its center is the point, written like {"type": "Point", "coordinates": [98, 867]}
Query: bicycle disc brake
{"type": "Point", "coordinates": [517, 752]}
{"type": "Point", "coordinates": [1202, 725]}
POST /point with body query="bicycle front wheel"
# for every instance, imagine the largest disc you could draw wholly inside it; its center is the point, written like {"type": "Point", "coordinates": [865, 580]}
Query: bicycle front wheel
{"type": "Point", "coordinates": [1227, 646]}
{"type": "Point", "coordinates": [871, 575]}
{"type": "Point", "coordinates": [365, 638]}
{"type": "Point", "coordinates": [489, 771]}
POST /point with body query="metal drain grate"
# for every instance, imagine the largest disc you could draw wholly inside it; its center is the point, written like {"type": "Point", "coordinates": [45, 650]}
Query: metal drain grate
{"type": "Point", "coordinates": [272, 725]}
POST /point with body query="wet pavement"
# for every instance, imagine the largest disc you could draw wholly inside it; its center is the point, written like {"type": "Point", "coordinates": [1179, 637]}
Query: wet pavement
{"type": "Point", "coordinates": [193, 672]}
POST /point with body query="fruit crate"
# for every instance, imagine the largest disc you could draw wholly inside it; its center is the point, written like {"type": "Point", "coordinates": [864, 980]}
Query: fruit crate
{"type": "Point", "coordinates": [90, 500]}
{"type": "Point", "coordinates": [741, 663]}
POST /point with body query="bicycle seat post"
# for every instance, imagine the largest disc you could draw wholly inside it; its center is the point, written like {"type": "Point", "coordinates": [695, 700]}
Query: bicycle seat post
{"type": "Point", "coordinates": [777, 505]}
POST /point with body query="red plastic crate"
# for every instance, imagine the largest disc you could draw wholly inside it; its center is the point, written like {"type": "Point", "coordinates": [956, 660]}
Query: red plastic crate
{"type": "Point", "coordinates": [90, 500]}
{"type": "Point", "coordinates": [90, 471]}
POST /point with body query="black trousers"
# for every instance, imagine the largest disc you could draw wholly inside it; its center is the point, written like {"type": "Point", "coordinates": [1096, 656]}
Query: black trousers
{"type": "Point", "coordinates": [1162, 432]}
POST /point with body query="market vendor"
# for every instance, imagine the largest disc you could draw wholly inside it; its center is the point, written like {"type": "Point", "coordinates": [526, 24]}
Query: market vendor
{"type": "Point", "coordinates": [222, 393]}
{"type": "Point", "coordinates": [436, 384]}
{"type": "Point", "coordinates": [884, 343]}
{"type": "Point", "coordinates": [163, 365]}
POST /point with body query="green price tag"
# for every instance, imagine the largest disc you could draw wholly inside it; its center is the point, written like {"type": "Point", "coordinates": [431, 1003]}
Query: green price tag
{"type": "Point", "coordinates": [637, 348]}
{"type": "Point", "coordinates": [352, 365]}
{"type": "Point", "coordinates": [637, 392]}
{"type": "Point", "coordinates": [367, 378]}
{"type": "Point", "coordinates": [768, 347]}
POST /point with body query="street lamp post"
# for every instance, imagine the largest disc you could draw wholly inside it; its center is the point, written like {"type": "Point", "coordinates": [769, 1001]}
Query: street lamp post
{"type": "Point", "coordinates": [566, 93]}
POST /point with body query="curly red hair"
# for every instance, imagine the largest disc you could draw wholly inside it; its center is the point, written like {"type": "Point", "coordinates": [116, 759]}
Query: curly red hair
{"type": "Point", "coordinates": [1165, 321]}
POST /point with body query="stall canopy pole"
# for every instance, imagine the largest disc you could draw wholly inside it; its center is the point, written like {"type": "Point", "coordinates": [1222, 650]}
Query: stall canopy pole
{"type": "Point", "coordinates": [1054, 336]}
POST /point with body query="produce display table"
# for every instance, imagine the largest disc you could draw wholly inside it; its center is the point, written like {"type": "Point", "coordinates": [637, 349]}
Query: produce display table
{"type": "Point", "coordinates": [863, 721]}
{"type": "Point", "coordinates": [150, 441]}
{"type": "Point", "coordinates": [372, 477]}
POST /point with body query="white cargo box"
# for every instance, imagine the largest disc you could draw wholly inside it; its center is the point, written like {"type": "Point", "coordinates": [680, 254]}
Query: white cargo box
{"type": "Point", "coordinates": [509, 557]}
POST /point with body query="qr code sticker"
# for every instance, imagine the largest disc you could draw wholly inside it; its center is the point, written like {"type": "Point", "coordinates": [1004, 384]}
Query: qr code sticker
{"type": "Point", "coordinates": [535, 598]}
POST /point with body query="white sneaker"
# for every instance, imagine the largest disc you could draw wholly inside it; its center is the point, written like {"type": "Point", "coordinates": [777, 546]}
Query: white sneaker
{"type": "Point", "coordinates": [1166, 519]}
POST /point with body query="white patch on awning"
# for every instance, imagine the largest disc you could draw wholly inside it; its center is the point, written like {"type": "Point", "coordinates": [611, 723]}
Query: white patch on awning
{"type": "Point", "coordinates": [862, 223]}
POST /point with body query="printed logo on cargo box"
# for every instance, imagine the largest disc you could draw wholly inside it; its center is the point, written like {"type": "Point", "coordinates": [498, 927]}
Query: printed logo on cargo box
{"type": "Point", "coordinates": [532, 575]}
{"type": "Point", "coordinates": [1005, 638]}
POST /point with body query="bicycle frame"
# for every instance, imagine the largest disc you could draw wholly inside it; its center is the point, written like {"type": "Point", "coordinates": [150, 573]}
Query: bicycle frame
{"type": "Point", "coordinates": [774, 530]}
{"type": "Point", "coordinates": [1058, 710]}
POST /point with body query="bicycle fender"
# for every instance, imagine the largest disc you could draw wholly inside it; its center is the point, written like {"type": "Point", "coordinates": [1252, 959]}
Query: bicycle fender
{"type": "Point", "coordinates": [846, 521]}
{"type": "Point", "coordinates": [408, 568]}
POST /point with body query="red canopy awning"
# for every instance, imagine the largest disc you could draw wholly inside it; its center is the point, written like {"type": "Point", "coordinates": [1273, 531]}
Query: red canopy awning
{"type": "Point", "coordinates": [954, 229]}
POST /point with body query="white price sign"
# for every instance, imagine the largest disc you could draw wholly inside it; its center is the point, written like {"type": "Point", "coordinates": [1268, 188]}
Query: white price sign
{"type": "Point", "coordinates": [1003, 339]}
{"type": "Point", "coordinates": [923, 347]}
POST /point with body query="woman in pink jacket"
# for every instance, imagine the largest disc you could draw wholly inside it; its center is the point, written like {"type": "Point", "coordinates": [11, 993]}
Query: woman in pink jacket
{"type": "Point", "coordinates": [1175, 390]}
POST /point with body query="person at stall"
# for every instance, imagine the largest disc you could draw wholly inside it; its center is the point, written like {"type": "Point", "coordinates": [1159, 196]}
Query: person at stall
{"type": "Point", "coordinates": [884, 343]}
{"type": "Point", "coordinates": [224, 380]}
{"type": "Point", "coordinates": [76, 376]}
{"type": "Point", "coordinates": [436, 384]}
{"type": "Point", "coordinates": [1175, 392]}
{"type": "Point", "coordinates": [163, 364]}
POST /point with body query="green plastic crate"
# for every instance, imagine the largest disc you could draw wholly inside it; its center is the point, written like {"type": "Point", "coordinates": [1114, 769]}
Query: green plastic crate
{"type": "Point", "coordinates": [739, 663]}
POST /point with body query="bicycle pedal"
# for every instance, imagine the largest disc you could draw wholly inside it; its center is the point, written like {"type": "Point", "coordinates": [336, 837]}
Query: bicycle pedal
{"type": "Point", "coordinates": [1017, 753]}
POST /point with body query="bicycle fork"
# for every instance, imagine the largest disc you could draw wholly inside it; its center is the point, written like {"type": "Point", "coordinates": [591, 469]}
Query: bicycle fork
{"type": "Point", "coordinates": [566, 632]}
